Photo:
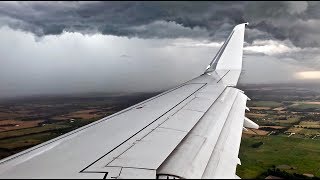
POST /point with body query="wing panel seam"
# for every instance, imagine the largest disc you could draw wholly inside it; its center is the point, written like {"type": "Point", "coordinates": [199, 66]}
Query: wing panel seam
{"type": "Point", "coordinates": [143, 128]}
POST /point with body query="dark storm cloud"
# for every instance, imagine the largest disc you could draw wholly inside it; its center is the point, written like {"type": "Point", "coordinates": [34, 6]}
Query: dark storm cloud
{"type": "Point", "coordinates": [213, 20]}
{"type": "Point", "coordinates": [139, 46]}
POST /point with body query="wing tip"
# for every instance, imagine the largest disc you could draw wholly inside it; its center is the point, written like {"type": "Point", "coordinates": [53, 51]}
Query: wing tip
{"type": "Point", "coordinates": [215, 62]}
{"type": "Point", "coordinates": [242, 24]}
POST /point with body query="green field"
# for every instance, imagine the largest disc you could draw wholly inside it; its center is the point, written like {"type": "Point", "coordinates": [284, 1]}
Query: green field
{"type": "Point", "coordinates": [305, 131]}
{"type": "Point", "coordinates": [34, 130]}
{"type": "Point", "coordinates": [271, 104]}
{"type": "Point", "coordinates": [303, 106]}
{"type": "Point", "coordinates": [287, 123]}
{"type": "Point", "coordinates": [29, 140]}
{"type": "Point", "coordinates": [303, 155]}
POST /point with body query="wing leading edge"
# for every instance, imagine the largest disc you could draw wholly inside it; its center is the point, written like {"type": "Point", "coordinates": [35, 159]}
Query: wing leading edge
{"type": "Point", "coordinates": [191, 131]}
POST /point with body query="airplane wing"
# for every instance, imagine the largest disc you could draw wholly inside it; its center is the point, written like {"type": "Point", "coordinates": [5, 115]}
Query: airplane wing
{"type": "Point", "coordinates": [191, 131]}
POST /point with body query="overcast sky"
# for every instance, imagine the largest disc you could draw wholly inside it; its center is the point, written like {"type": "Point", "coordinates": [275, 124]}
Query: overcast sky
{"type": "Point", "coordinates": [73, 47]}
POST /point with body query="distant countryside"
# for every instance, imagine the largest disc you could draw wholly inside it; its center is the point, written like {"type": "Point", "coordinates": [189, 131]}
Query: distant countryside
{"type": "Point", "coordinates": [287, 144]}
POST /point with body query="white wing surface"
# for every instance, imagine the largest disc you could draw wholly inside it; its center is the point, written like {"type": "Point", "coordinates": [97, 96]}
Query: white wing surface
{"type": "Point", "coordinates": [191, 131]}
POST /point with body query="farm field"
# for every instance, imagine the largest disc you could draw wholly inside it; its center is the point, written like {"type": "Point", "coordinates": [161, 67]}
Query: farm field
{"type": "Point", "coordinates": [287, 144]}
{"type": "Point", "coordinates": [295, 155]}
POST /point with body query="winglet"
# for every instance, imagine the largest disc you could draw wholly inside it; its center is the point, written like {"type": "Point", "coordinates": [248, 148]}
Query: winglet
{"type": "Point", "coordinates": [229, 55]}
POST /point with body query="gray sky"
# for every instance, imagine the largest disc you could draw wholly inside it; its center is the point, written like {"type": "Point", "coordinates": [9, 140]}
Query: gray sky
{"type": "Point", "coordinates": [73, 47]}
